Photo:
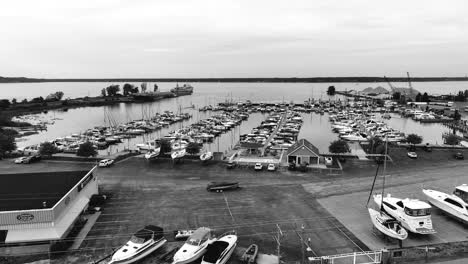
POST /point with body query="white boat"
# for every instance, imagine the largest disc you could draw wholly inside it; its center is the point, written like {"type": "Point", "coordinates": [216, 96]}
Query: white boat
{"type": "Point", "coordinates": [146, 146]}
{"type": "Point", "coordinates": [194, 247]}
{"type": "Point", "coordinates": [355, 137]}
{"type": "Point", "coordinates": [179, 234]}
{"type": "Point", "coordinates": [152, 153]}
{"type": "Point", "coordinates": [221, 250]}
{"type": "Point", "coordinates": [413, 214]}
{"type": "Point", "coordinates": [455, 204]}
{"type": "Point", "coordinates": [142, 243]}
{"type": "Point", "coordinates": [178, 154]}
{"type": "Point", "coordinates": [387, 224]}
{"type": "Point", "coordinates": [206, 156]}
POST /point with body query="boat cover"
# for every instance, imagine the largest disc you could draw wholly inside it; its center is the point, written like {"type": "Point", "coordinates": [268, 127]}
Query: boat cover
{"type": "Point", "coordinates": [214, 250]}
{"type": "Point", "coordinates": [147, 232]}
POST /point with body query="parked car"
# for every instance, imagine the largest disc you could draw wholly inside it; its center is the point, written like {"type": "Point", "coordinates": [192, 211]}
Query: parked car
{"type": "Point", "coordinates": [459, 156]}
{"type": "Point", "coordinates": [412, 155]}
{"type": "Point", "coordinates": [328, 161]}
{"type": "Point", "coordinates": [230, 164]}
{"type": "Point", "coordinates": [21, 160]}
{"type": "Point", "coordinates": [271, 167]}
{"type": "Point", "coordinates": [106, 162]}
{"type": "Point", "coordinates": [258, 166]}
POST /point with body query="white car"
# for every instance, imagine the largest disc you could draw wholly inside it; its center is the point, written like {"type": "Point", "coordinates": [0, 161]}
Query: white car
{"type": "Point", "coordinates": [21, 160]}
{"type": "Point", "coordinates": [271, 167]}
{"type": "Point", "coordinates": [258, 166]}
{"type": "Point", "coordinates": [412, 155]}
{"type": "Point", "coordinates": [106, 162]}
{"type": "Point", "coordinates": [328, 161]}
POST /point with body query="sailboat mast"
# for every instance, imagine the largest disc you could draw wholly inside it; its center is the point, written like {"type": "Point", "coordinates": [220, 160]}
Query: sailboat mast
{"type": "Point", "coordinates": [384, 171]}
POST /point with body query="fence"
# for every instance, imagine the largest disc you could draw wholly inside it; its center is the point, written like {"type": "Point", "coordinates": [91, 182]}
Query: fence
{"type": "Point", "coordinates": [365, 257]}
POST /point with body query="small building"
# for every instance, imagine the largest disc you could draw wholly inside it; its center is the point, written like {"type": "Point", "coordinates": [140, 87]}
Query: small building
{"type": "Point", "coordinates": [303, 152]}
{"type": "Point", "coordinates": [38, 210]}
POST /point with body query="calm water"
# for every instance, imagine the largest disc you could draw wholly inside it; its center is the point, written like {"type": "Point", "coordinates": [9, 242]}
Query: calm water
{"type": "Point", "coordinates": [316, 128]}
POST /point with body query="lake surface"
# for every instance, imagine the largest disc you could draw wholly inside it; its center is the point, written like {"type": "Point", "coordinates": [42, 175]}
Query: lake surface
{"type": "Point", "coordinates": [316, 128]}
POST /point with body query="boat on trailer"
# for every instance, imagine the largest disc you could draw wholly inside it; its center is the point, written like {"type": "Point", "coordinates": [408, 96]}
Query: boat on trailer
{"type": "Point", "coordinates": [220, 250]}
{"type": "Point", "coordinates": [140, 245]}
{"type": "Point", "coordinates": [250, 255]}
{"type": "Point", "coordinates": [222, 186]}
{"type": "Point", "coordinates": [456, 204]}
{"type": "Point", "coordinates": [194, 247]}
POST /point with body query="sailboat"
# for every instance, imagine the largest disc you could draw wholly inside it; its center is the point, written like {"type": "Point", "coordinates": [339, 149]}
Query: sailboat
{"type": "Point", "coordinates": [386, 224]}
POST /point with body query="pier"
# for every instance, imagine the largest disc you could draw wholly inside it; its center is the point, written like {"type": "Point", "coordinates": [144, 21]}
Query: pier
{"type": "Point", "coordinates": [281, 123]}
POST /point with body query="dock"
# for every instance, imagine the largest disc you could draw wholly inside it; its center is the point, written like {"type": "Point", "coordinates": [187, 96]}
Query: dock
{"type": "Point", "coordinates": [281, 123]}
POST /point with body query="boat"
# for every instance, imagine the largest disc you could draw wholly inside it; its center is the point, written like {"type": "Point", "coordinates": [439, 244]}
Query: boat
{"type": "Point", "coordinates": [220, 250]}
{"type": "Point", "coordinates": [195, 246]}
{"type": "Point", "coordinates": [387, 225]}
{"type": "Point", "coordinates": [222, 186]}
{"type": "Point", "coordinates": [152, 154]}
{"type": "Point", "coordinates": [178, 154]}
{"type": "Point", "coordinates": [206, 156]}
{"type": "Point", "coordinates": [414, 215]}
{"type": "Point", "coordinates": [250, 254]}
{"type": "Point", "coordinates": [180, 234]}
{"type": "Point", "coordinates": [141, 244]}
{"type": "Point", "coordinates": [182, 90]}
{"type": "Point", "coordinates": [455, 204]}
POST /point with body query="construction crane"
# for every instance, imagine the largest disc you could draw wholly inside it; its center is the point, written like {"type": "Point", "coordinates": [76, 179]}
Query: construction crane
{"type": "Point", "coordinates": [409, 83]}
{"type": "Point", "coordinates": [389, 84]}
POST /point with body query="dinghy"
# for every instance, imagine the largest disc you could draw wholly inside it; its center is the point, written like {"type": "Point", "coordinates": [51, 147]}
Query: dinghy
{"type": "Point", "coordinates": [250, 254]}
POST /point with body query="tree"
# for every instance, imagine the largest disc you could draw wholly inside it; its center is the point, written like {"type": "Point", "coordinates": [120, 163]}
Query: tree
{"type": "Point", "coordinates": [129, 89]}
{"type": "Point", "coordinates": [165, 146]}
{"type": "Point", "coordinates": [24, 101]}
{"type": "Point", "coordinates": [86, 149]}
{"type": "Point", "coordinates": [425, 98]}
{"type": "Point", "coordinates": [396, 96]}
{"type": "Point", "coordinates": [414, 139]}
{"type": "Point", "coordinates": [331, 90]}
{"type": "Point", "coordinates": [456, 115]}
{"type": "Point", "coordinates": [193, 148]}
{"type": "Point", "coordinates": [338, 146]}
{"type": "Point", "coordinates": [418, 97]}
{"type": "Point", "coordinates": [59, 95]}
{"type": "Point", "coordinates": [4, 103]}
{"type": "Point", "coordinates": [112, 90]}
{"type": "Point", "coordinates": [39, 99]}
{"type": "Point", "coordinates": [47, 149]}
{"type": "Point", "coordinates": [103, 92]}
{"type": "Point", "coordinates": [451, 139]}
{"type": "Point", "coordinates": [13, 101]}
{"type": "Point", "coordinates": [7, 143]}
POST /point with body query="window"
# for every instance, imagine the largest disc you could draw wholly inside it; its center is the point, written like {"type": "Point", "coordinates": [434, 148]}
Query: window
{"type": "Point", "coordinates": [463, 195]}
{"type": "Point", "coordinates": [400, 203]}
{"type": "Point", "coordinates": [451, 201]}
{"type": "Point", "coordinates": [390, 206]}
{"type": "Point", "coordinates": [417, 212]}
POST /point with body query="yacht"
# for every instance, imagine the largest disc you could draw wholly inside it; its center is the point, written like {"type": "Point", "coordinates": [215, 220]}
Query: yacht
{"type": "Point", "coordinates": [142, 243]}
{"type": "Point", "coordinates": [152, 154]}
{"type": "Point", "coordinates": [355, 137]}
{"type": "Point", "coordinates": [387, 224]}
{"type": "Point", "coordinates": [455, 204]}
{"type": "Point", "coordinates": [414, 215]}
{"type": "Point", "coordinates": [182, 90]}
{"type": "Point", "coordinates": [221, 250]}
{"type": "Point", "coordinates": [206, 156]}
{"type": "Point", "coordinates": [194, 247]}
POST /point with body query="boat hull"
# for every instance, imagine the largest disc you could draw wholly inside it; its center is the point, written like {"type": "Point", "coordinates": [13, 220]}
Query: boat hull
{"type": "Point", "coordinates": [374, 215]}
{"type": "Point", "coordinates": [141, 255]}
{"type": "Point", "coordinates": [436, 198]}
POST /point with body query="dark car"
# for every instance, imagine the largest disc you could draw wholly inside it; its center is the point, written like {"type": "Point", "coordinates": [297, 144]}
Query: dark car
{"type": "Point", "coordinates": [459, 156]}
{"type": "Point", "coordinates": [33, 158]}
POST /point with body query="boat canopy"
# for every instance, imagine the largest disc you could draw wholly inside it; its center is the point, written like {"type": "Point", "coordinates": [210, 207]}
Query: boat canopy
{"type": "Point", "coordinates": [147, 233]}
{"type": "Point", "coordinates": [199, 235]}
{"type": "Point", "coordinates": [214, 251]}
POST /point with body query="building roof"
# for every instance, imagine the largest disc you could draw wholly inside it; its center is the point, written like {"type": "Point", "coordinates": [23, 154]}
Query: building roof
{"type": "Point", "coordinates": [28, 191]}
{"type": "Point", "coordinates": [300, 143]}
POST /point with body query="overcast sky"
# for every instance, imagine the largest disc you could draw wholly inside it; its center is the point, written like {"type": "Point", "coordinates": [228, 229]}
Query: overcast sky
{"type": "Point", "coordinates": [238, 38]}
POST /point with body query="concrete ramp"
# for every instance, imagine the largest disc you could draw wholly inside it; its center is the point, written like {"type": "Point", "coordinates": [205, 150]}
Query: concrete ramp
{"type": "Point", "coordinates": [357, 150]}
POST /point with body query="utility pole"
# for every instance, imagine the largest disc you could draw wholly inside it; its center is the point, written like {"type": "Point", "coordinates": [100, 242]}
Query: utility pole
{"type": "Point", "coordinates": [302, 244]}
{"type": "Point", "coordinates": [277, 238]}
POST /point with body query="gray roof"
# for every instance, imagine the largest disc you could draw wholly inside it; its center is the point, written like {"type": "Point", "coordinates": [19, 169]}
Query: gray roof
{"type": "Point", "coordinates": [303, 142]}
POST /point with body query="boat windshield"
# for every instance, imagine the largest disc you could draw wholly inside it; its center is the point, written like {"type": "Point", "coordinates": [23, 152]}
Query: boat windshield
{"type": "Point", "coordinates": [137, 240]}
{"type": "Point", "coordinates": [417, 212]}
{"type": "Point", "coordinates": [193, 242]}
{"type": "Point", "coordinates": [461, 194]}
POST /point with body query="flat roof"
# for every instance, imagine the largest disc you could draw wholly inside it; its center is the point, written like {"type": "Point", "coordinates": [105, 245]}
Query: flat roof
{"type": "Point", "coordinates": [28, 191]}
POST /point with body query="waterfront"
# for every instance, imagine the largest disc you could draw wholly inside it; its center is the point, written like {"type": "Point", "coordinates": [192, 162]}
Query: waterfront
{"type": "Point", "coordinates": [316, 127]}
